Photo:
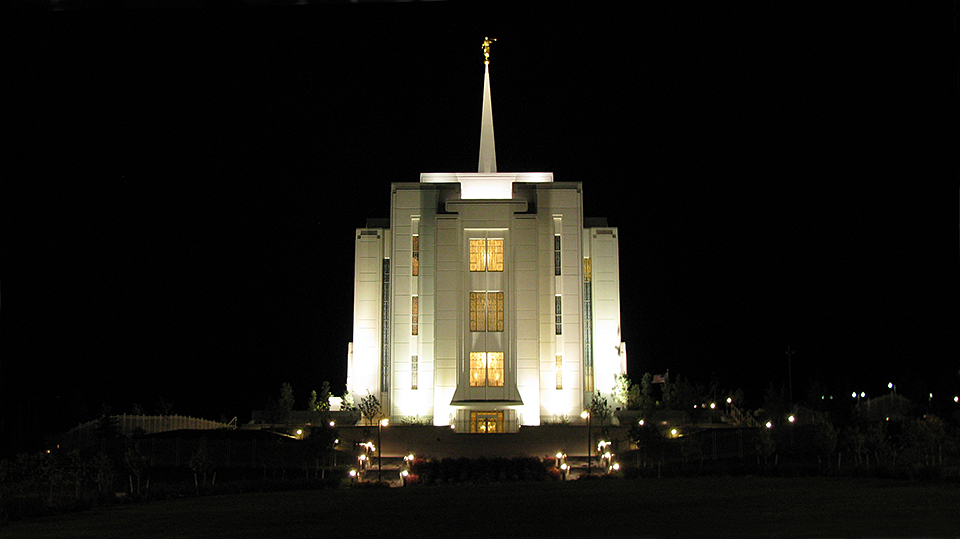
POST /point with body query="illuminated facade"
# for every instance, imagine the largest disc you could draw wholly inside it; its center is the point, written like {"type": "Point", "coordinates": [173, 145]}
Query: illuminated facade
{"type": "Point", "coordinates": [486, 302]}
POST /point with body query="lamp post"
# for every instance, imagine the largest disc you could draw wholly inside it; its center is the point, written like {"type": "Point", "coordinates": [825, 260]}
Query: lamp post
{"type": "Point", "coordinates": [382, 423]}
{"type": "Point", "coordinates": [586, 415]}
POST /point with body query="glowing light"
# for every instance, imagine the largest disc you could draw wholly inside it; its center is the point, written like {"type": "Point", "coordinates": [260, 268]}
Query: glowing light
{"type": "Point", "coordinates": [854, 394]}
{"type": "Point", "coordinates": [729, 400]}
{"type": "Point", "coordinates": [353, 473]}
{"type": "Point", "coordinates": [713, 406]}
{"type": "Point", "coordinates": [673, 432]}
{"type": "Point", "coordinates": [863, 393]}
{"type": "Point", "coordinates": [333, 423]}
{"type": "Point", "coordinates": [299, 432]}
{"type": "Point", "coordinates": [890, 385]}
{"type": "Point", "coordinates": [956, 399]}
{"type": "Point", "coordinates": [791, 418]}
{"type": "Point", "coordinates": [559, 455]}
{"type": "Point", "coordinates": [769, 424]}
{"type": "Point", "coordinates": [384, 422]}
{"type": "Point", "coordinates": [404, 473]}
{"type": "Point", "coordinates": [584, 414]}
{"type": "Point", "coordinates": [616, 465]}
{"type": "Point", "coordinates": [641, 423]}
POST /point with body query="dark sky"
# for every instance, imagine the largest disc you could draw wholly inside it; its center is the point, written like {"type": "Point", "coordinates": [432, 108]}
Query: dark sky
{"type": "Point", "coordinates": [181, 187]}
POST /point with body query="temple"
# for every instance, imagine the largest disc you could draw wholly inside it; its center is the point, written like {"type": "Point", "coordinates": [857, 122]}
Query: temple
{"type": "Point", "coordinates": [487, 301]}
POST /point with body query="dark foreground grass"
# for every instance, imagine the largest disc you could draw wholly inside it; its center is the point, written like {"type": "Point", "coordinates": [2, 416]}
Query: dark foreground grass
{"type": "Point", "coordinates": [674, 507]}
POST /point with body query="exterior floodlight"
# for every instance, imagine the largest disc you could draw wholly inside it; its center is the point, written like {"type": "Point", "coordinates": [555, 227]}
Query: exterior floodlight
{"type": "Point", "coordinates": [791, 418]}
{"type": "Point", "coordinates": [956, 399]}
{"type": "Point", "coordinates": [640, 423]}
{"type": "Point", "coordinates": [353, 473]}
{"type": "Point", "coordinates": [333, 423]}
{"type": "Point", "coordinates": [713, 406]}
{"type": "Point", "coordinates": [673, 432]}
{"type": "Point", "coordinates": [616, 465]}
{"type": "Point", "coordinates": [854, 394]}
{"type": "Point", "coordinates": [729, 400]}
{"type": "Point", "coordinates": [863, 393]}
{"type": "Point", "coordinates": [769, 425]}
{"type": "Point", "coordinates": [890, 385]}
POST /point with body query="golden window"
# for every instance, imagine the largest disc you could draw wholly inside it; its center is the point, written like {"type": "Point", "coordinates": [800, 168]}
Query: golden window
{"type": "Point", "coordinates": [416, 256]}
{"type": "Point", "coordinates": [478, 255]}
{"type": "Point", "coordinates": [486, 254]}
{"type": "Point", "coordinates": [415, 315]}
{"type": "Point", "coordinates": [478, 369]}
{"type": "Point", "coordinates": [486, 311]}
{"type": "Point", "coordinates": [478, 309]}
{"type": "Point", "coordinates": [495, 369]}
{"type": "Point", "coordinates": [559, 368]}
{"type": "Point", "coordinates": [486, 369]}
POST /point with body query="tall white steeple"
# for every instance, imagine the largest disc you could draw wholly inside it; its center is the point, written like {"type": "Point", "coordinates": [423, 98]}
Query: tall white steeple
{"type": "Point", "coordinates": [488, 151]}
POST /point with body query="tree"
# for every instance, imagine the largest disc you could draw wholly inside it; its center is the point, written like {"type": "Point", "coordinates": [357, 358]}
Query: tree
{"type": "Point", "coordinates": [599, 409]}
{"type": "Point", "coordinates": [621, 390]}
{"type": "Point", "coordinates": [136, 463]}
{"type": "Point", "coordinates": [108, 426]}
{"type": "Point", "coordinates": [201, 462]}
{"type": "Point", "coordinates": [320, 402]}
{"type": "Point", "coordinates": [370, 408]}
{"type": "Point", "coordinates": [647, 403]}
{"type": "Point", "coordinates": [286, 397]}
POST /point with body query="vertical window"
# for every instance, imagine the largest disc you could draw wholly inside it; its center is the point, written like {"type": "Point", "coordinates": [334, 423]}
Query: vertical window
{"type": "Point", "coordinates": [413, 372]}
{"type": "Point", "coordinates": [478, 369]}
{"type": "Point", "coordinates": [415, 261]}
{"type": "Point", "coordinates": [495, 369]}
{"type": "Point", "coordinates": [559, 368]}
{"type": "Point", "coordinates": [486, 255]}
{"type": "Point", "coordinates": [486, 311]}
{"type": "Point", "coordinates": [478, 255]}
{"type": "Point", "coordinates": [494, 255]}
{"type": "Point", "coordinates": [558, 317]}
{"type": "Point", "coordinates": [478, 309]}
{"type": "Point", "coordinates": [415, 315]}
{"type": "Point", "coordinates": [556, 254]}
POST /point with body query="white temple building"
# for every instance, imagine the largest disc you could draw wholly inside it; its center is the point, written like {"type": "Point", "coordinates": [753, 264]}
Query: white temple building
{"type": "Point", "coordinates": [488, 301]}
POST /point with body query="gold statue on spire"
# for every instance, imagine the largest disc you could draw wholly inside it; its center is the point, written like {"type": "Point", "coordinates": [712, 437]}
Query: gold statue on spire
{"type": "Point", "coordinates": [486, 50]}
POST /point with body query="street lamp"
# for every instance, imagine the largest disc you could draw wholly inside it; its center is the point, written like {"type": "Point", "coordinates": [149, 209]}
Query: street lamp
{"type": "Point", "coordinates": [586, 415]}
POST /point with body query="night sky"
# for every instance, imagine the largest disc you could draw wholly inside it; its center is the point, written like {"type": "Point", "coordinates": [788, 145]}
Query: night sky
{"type": "Point", "coordinates": [181, 187]}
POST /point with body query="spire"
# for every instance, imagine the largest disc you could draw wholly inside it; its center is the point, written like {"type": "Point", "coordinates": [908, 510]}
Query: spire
{"type": "Point", "coordinates": [488, 151]}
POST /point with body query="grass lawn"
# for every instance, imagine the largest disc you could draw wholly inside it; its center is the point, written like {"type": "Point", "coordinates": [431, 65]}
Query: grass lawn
{"type": "Point", "coordinates": [669, 507]}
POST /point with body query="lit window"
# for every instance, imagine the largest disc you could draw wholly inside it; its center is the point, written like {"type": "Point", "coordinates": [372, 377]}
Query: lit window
{"type": "Point", "coordinates": [413, 372]}
{"type": "Point", "coordinates": [478, 255]}
{"type": "Point", "coordinates": [494, 255]}
{"type": "Point", "coordinates": [495, 369]}
{"type": "Point", "coordinates": [415, 315]}
{"type": "Point", "coordinates": [486, 369]}
{"type": "Point", "coordinates": [486, 255]}
{"type": "Point", "coordinates": [486, 311]}
{"type": "Point", "coordinates": [416, 255]}
{"type": "Point", "coordinates": [559, 371]}
{"type": "Point", "coordinates": [478, 369]}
